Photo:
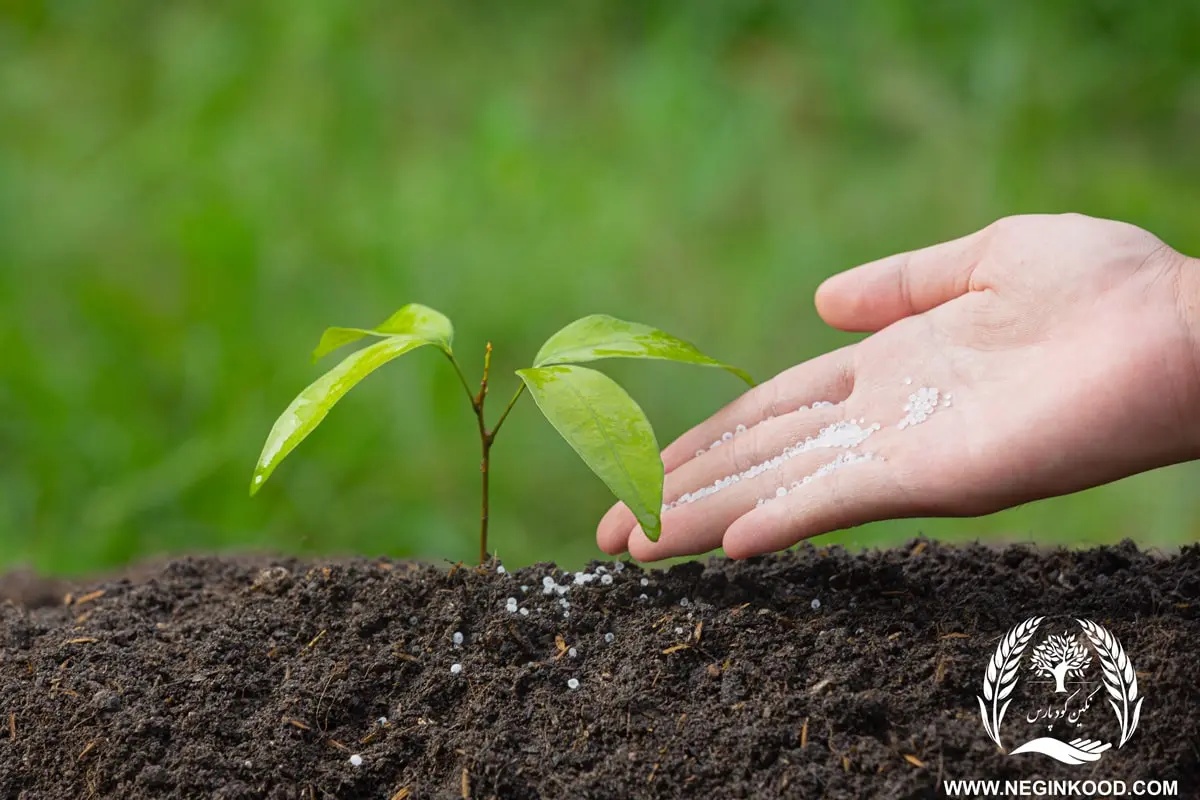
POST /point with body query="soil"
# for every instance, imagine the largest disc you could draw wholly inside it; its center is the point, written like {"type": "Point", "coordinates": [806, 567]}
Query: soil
{"type": "Point", "coordinates": [812, 673]}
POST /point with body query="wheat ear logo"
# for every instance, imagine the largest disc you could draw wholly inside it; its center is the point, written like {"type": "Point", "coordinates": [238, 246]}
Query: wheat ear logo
{"type": "Point", "coordinates": [1059, 666]}
{"type": "Point", "coordinates": [1120, 679]}
{"type": "Point", "coordinates": [1001, 676]}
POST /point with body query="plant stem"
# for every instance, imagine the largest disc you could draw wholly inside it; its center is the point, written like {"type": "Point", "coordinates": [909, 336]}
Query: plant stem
{"type": "Point", "coordinates": [486, 437]}
{"type": "Point", "coordinates": [461, 378]}
{"type": "Point", "coordinates": [508, 408]}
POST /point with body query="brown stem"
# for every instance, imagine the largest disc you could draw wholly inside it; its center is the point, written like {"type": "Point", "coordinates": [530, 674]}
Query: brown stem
{"type": "Point", "coordinates": [486, 437]}
{"type": "Point", "coordinates": [483, 514]}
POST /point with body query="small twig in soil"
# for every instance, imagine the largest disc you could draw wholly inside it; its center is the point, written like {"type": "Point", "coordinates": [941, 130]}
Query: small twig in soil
{"type": "Point", "coordinates": [295, 723]}
{"type": "Point", "coordinates": [12, 727]}
{"type": "Point", "coordinates": [316, 639]}
{"type": "Point", "coordinates": [916, 762]}
{"type": "Point", "coordinates": [466, 778]}
{"type": "Point", "coordinates": [333, 671]}
{"type": "Point", "coordinates": [82, 640]}
{"type": "Point", "coordinates": [88, 748]}
{"type": "Point", "coordinates": [89, 597]}
{"type": "Point", "coordinates": [402, 794]}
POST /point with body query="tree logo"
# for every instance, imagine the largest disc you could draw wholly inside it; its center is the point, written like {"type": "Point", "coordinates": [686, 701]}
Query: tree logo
{"type": "Point", "coordinates": [1061, 689]}
{"type": "Point", "coordinates": [1059, 656]}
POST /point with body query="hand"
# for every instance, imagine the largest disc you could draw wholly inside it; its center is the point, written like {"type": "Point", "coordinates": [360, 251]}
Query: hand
{"type": "Point", "coordinates": [1062, 343]}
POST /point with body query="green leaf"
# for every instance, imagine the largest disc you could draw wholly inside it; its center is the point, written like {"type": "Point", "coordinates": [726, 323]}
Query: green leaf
{"type": "Point", "coordinates": [415, 320]}
{"type": "Point", "coordinates": [608, 430]}
{"type": "Point", "coordinates": [601, 336]}
{"type": "Point", "coordinates": [310, 407]}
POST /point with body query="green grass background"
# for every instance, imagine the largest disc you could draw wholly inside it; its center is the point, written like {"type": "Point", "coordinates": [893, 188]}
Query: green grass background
{"type": "Point", "coordinates": [191, 191]}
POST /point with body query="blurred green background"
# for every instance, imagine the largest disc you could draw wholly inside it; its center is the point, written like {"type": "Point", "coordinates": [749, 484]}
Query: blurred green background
{"type": "Point", "coordinates": [191, 191]}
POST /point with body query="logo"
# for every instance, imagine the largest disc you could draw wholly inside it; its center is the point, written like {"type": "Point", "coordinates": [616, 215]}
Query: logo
{"type": "Point", "coordinates": [1067, 673]}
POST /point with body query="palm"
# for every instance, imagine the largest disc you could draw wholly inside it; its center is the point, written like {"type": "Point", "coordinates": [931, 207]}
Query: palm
{"type": "Point", "coordinates": [1036, 328]}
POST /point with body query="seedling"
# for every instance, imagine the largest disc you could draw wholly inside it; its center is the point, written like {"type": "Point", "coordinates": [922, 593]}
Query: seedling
{"type": "Point", "coordinates": [597, 418]}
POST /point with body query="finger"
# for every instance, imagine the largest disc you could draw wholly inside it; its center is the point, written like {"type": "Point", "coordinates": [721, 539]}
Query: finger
{"type": "Point", "coordinates": [874, 295]}
{"type": "Point", "coordinates": [827, 378]}
{"type": "Point", "coordinates": [851, 495]}
{"type": "Point", "coordinates": [697, 521]}
{"type": "Point", "coordinates": [613, 531]}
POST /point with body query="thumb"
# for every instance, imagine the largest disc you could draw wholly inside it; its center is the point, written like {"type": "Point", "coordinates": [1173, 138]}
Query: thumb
{"type": "Point", "coordinates": [874, 295]}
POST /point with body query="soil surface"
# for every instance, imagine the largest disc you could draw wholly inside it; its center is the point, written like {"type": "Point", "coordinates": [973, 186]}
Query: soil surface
{"type": "Point", "coordinates": [808, 674]}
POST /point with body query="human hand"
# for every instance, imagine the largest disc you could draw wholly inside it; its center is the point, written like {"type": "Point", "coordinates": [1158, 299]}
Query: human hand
{"type": "Point", "coordinates": [1065, 346]}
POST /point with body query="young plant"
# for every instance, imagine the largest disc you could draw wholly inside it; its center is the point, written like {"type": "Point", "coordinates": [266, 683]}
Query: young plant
{"type": "Point", "coordinates": [598, 419]}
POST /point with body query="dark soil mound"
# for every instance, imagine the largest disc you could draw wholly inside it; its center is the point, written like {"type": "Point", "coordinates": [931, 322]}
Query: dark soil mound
{"type": "Point", "coordinates": [814, 673]}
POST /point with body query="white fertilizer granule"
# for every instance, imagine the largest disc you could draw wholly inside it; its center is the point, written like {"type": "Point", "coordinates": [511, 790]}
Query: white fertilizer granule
{"type": "Point", "coordinates": [844, 459]}
{"type": "Point", "coordinates": [606, 580]}
{"type": "Point", "coordinates": [572, 652]}
{"type": "Point", "coordinates": [816, 603]}
{"type": "Point", "coordinates": [645, 581]}
{"type": "Point", "coordinates": [608, 637]}
{"type": "Point", "coordinates": [843, 435]}
{"type": "Point", "coordinates": [524, 612]}
{"type": "Point", "coordinates": [573, 684]}
{"type": "Point", "coordinates": [725, 437]}
{"type": "Point", "coordinates": [921, 404]}
{"type": "Point", "coordinates": [511, 605]}
{"type": "Point", "coordinates": [457, 638]}
{"type": "Point", "coordinates": [455, 669]}
{"type": "Point", "coordinates": [501, 570]}
{"type": "Point", "coordinates": [356, 760]}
